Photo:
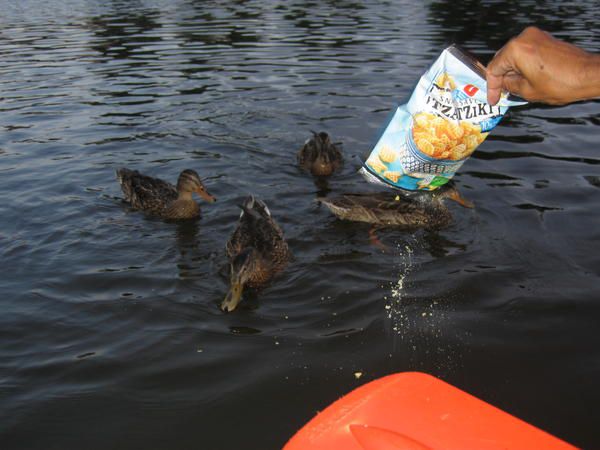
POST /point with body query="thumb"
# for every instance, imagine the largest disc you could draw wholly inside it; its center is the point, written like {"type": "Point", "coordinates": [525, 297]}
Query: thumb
{"type": "Point", "coordinates": [494, 88]}
{"type": "Point", "coordinates": [493, 95]}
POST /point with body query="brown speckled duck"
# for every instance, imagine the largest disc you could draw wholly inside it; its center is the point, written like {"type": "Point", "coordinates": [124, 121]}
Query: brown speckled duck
{"type": "Point", "coordinates": [160, 198]}
{"type": "Point", "coordinates": [319, 155]}
{"type": "Point", "coordinates": [421, 210]}
{"type": "Point", "coordinates": [257, 251]}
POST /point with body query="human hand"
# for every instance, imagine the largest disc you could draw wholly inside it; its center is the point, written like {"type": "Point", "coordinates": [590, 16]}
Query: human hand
{"type": "Point", "coordinates": [538, 67]}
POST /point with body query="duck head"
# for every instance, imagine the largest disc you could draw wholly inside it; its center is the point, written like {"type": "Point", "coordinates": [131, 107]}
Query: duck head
{"type": "Point", "coordinates": [189, 181]}
{"type": "Point", "coordinates": [323, 157]}
{"type": "Point", "coordinates": [450, 191]}
{"type": "Point", "coordinates": [242, 268]}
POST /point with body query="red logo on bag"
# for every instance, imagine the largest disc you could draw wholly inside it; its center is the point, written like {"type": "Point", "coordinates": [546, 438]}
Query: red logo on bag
{"type": "Point", "coordinates": [470, 90]}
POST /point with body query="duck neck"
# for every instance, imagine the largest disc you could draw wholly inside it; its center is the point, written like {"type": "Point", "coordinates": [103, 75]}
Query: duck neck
{"type": "Point", "coordinates": [184, 195]}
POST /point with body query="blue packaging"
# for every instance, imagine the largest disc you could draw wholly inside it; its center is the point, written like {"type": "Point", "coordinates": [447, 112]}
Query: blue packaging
{"type": "Point", "coordinates": [447, 117]}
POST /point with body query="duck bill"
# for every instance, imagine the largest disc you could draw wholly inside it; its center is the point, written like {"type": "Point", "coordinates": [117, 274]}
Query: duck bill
{"type": "Point", "coordinates": [234, 296]}
{"type": "Point", "coordinates": [206, 196]}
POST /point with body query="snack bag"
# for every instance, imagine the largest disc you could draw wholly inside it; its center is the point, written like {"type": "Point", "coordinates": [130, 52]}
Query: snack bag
{"type": "Point", "coordinates": [445, 120]}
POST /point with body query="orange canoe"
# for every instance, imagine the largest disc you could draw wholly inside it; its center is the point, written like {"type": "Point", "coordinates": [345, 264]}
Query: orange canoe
{"type": "Point", "coordinates": [415, 411]}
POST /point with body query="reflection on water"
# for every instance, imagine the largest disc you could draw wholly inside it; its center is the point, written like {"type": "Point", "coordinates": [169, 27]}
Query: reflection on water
{"type": "Point", "coordinates": [485, 26]}
{"type": "Point", "coordinates": [112, 335]}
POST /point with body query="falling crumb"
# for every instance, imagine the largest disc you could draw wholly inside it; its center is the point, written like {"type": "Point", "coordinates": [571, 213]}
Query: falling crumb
{"type": "Point", "coordinates": [357, 375]}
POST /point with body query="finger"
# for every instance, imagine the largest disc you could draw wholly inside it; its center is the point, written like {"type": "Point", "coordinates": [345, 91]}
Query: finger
{"type": "Point", "coordinates": [502, 62]}
{"type": "Point", "coordinates": [494, 74]}
{"type": "Point", "coordinates": [516, 84]}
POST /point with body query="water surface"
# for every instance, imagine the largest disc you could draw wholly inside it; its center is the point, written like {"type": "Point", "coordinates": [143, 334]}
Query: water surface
{"type": "Point", "coordinates": [110, 328]}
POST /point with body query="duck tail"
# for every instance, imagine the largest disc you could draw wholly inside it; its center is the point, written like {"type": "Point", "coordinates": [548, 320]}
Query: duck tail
{"type": "Point", "coordinates": [124, 175]}
{"type": "Point", "coordinates": [125, 178]}
{"type": "Point", "coordinates": [334, 207]}
{"type": "Point", "coordinates": [248, 208]}
{"type": "Point", "coordinates": [255, 208]}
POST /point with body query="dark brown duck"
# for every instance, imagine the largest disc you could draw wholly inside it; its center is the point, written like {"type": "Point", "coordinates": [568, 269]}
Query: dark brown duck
{"type": "Point", "coordinates": [319, 155]}
{"type": "Point", "coordinates": [426, 210]}
{"type": "Point", "coordinates": [257, 251]}
{"type": "Point", "coordinates": [160, 198]}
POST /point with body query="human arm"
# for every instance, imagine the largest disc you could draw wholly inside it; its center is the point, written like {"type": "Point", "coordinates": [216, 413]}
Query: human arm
{"type": "Point", "coordinates": [538, 67]}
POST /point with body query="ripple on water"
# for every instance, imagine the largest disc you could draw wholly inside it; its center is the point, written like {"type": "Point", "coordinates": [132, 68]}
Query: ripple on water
{"type": "Point", "coordinates": [111, 317]}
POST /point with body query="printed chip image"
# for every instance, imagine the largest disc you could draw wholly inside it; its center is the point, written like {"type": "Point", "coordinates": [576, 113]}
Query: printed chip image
{"type": "Point", "coordinates": [387, 154]}
{"type": "Point", "coordinates": [445, 139]}
{"type": "Point", "coordinates": [444, 80]}
{"type": "Point", "coordinates": [393, 176]}
{"type": "Point", "coordinates": [375, 163]}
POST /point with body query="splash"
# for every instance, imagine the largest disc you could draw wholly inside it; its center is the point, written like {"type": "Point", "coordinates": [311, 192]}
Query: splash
{"type": "Point", "coordinates": [418, 325]}
{"type": "Point", "coordinates": [394, 303]}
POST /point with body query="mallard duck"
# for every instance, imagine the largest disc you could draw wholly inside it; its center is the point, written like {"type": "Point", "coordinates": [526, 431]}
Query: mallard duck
{"type": "Point", "coordinates": [319, 155]}
{"type": "Point", "coordinates": [160, 198]}
{"type": "Point", "coordinates": [422, 210]}
{"type": "Point", "coordinates": [257, 251]}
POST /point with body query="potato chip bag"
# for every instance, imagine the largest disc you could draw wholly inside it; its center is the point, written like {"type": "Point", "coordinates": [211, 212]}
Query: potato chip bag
{"type": "Point", "coordinates": [445, 120]}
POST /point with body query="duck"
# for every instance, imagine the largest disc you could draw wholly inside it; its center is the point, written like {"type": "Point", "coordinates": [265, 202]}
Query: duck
{"type": "Point", "coordinates": [385, 209]}
{"type": "Point", "coordinates": [160, 198]}
{"type": "Point", "coordinates": [319, 155]}
{"type": "Point", "coordinates": [257, 251]}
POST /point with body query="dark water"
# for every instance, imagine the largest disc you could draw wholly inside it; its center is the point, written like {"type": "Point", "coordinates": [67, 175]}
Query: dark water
{"type": "Point", "coordinates": [110, 328]}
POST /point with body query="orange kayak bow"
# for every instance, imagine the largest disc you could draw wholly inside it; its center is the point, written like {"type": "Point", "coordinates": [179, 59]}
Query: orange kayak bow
{"type": "Point", "coordinates": [415, 411]}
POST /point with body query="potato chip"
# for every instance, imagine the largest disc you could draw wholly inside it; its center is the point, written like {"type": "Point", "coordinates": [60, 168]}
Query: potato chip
{"type": "Point", "coordinates": [455, 131]}
{"type": "Point", "coordinates": [445, 141]}
{"type": "Point", "coordinates": [393, 176]}
{"type": "Point", "coordinates": [387, 154]}
{"type": "Point", "coordinates": [459, 152]}
{"type": "Point", "coordinates": [471, 142]}
{"type": "Point", "coordinates": [419, 135]}
{"type": "Point", "coordinates": [438, 122]}
{"type": "Point", "coordinates": [468, 127]}
{"type": "Point", "coordinates": [422, 119]}
{"type": "Point", "coordinates": [444, 80]}
{"type": "Point", "coordinates": [375, 163]}
{"type": "Point", "coordinates": [425, 146]}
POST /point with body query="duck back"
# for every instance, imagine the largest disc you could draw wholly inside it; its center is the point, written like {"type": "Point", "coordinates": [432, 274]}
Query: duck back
{"type": "Point", "coordinates": [146, 193]}
{"type": "Point", "coordinates": [257, 229]}
{"type": "Point", "coordinates": [385, 209]}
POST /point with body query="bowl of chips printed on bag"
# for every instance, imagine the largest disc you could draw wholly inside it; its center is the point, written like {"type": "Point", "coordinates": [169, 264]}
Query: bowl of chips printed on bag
{"type": "Point", "coordinates": [438, 145]}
